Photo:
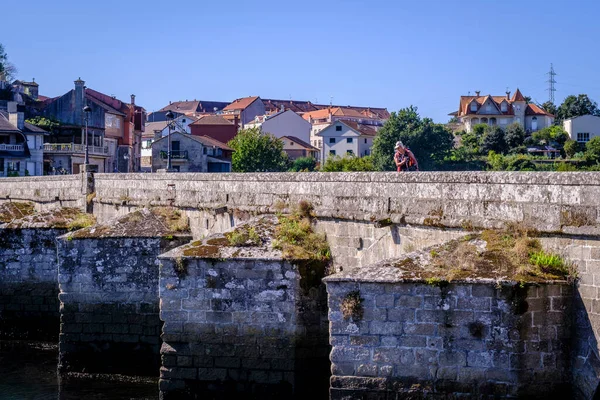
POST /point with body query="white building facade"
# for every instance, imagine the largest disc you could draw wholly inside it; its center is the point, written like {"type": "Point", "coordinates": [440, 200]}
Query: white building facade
{"type": "Point", "coordinates": [582, 128]}
{"type": "Point", "coordinates": [283, 123]}
{"type": "Point", "coordinates": [346, 138]}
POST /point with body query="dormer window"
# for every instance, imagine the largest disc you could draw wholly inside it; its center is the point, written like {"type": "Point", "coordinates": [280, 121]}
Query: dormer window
{"type": "Point", "coordinates": [473, 106]}
{"type": "Point", "coordinates": [504, 106]}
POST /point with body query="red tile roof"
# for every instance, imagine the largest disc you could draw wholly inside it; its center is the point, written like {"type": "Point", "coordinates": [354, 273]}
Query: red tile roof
{"type": "Point", "coordinates": [336, 111]}
{"type": "Point", "coordinates": [533, 109]}
{"type": "Point", "coordinates": [209, 142]}
{"type": "Point", "coordinates": [517, 96]}
{"type": "Point", "coordinates": [241, 104]}
{"type": "Point", "coordinates": [300, 142]}
{"type": "Point", "coordinates": [366, 130]}
{"type": "Point", "coordinates": [306, 106]}
{"type": "Point", "coordinates": [465, 101]}
{"type": "Point", "coordinates": [212, 120]}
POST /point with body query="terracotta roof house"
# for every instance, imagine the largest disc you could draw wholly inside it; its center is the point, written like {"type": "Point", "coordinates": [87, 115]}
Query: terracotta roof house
{"type": "Point", "coordinates": [301, 107]}
{"type": "Point", "coordinates": [296, 148]}
{"type": "Point", "coordinates": [246, 108]}
{"type": "Point", "coordinates": [216, 127]}
{"type": "Point", "coordinates": [502, 111]}
{"type": "Point", "coordinates": [193, 108]}
{"type": "Point", "coordinates": [342, 138]}
{"type": "Point", "coordinates": [21, 144]}
{"type": "Point", "coordinates": [114, 131]}
{"type": "Point", "coordinates": [156, 130]}
{"type": "Point", "coordinates": [282, 123]}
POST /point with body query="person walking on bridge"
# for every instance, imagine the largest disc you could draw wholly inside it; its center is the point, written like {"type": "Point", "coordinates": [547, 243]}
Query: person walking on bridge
{"type": "Point", "coordinates": [404, 158]}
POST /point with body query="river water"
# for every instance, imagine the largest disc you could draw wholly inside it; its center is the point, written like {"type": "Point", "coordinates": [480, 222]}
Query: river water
{"type": "Point", "coordinates": [28, 372]}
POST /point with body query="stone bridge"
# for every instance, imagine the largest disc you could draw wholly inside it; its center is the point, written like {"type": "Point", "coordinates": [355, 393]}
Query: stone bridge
{"type": "Point", "coordinates": [368, 217]}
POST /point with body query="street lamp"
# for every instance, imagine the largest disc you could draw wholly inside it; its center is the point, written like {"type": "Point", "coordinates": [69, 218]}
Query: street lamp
{"type": "Point", "coordinates": [169, 117]}
{"type": "Point", "coordinates": [86, 111]}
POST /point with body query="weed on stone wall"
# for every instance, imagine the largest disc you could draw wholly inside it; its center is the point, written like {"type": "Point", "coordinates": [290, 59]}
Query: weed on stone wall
{"type": "Point", "coordinates": [352, 306]}
{"type": "Point", "coordinates": [180, 267]}
{"type": "Point", "coordinates": [82, 220]}
{"type": "Point", "coordinates": [244, 236]}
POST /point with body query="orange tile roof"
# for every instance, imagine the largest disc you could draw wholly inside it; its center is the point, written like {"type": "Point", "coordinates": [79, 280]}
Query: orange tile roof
{"type": "Point", "coordinates": [533, 109]}
{"type": "Point", "coordinates": [300, 142]}
{"type": "Point", "coordinates": [212, 120]}
{"type": "Point", "coordinates": [241, 104]}
{"type": "Point", "coordinates": [336, 111]}
{"type": "Point", "coordinates": [366, 130]}
{"type": "Point", "coordinates": [517, 96]}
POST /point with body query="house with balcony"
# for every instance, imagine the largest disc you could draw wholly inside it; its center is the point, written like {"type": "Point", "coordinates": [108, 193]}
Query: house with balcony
{"type": "Point", "coordinates": [155, 130]}
{"type": "Point", "coordinates": [114, 132]}
{"type": "Point", "coordinates": [501, 111]}
{"type": "Point", "coordinates": [21, 144]}
{"type": "Point", "coordinates": [190, 153]}
{"type": "Point", "coordinates": [346, 138]}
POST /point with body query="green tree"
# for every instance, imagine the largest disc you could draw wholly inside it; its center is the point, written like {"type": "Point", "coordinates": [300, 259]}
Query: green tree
{"type": "Point", "coordinates": [257, 152]}
{"type": "Point", "coordinates": [47, 124]}
{"type": "Point", "coordinates": [592, 150]}
{"type": "Point", "coordinates": [574, 106]}
{"type": "Point", "coordinates": [549, 107]}
{"type": "Point", "coordinates": [429, 142]}
{"type": "Point", "coordinates": [7, 69]}
{"type": "Point", "coordinates": [348, 164]}
{"type": "Point", "coordinates": [494, 141]}
{"type": "Point", "coordinates": [514, 136]}
{"type": "Point", "coordinates": [552, 135]}
{"type": "Point", "coordinates": [303, 164]}
{"type": "Point", "coordinates": [571, 148]}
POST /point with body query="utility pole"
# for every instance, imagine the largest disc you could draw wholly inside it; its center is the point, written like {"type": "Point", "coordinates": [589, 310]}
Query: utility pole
{"type": "Point", "coordinates": [551, 81]}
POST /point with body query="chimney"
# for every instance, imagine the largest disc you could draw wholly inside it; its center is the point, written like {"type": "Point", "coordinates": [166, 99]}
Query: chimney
{"type": "Point", "coordinates": [508, 95]}
{"type": "Point", "coordinates": [16, 115]}
{"type": "Point", "coordinates": [477, 93]}
{"type": "Point", "coordinates": [79, 102]}
{"type": "Point", "coordinates": [133, 99]}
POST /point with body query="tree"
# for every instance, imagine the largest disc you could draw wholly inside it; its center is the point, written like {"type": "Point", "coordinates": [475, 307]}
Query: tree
{"type": "Point", "coordinates": [429, 142]}
{"type": "Point", "coordinates": [494, 141]}
{"type": "Point", "coordinates": [257, 152]}
{"type": "Point", "coordinates": [514, 136]}
{"type": "Point", "coordinates": [7, 69]}
{"type": "Point", "coordinates": [549, 107]}
{"type": "Point", "coordinates": [348, 164]}
{"type": "Point", "coordinates": [47, 124]}
{"type": "Point", "coordinates": [551, 135]}
{"type": "Point", "coordinates": [571, 148]}
{"type": "Point", "coordinates": [303, 164]}
{"type": "Point", "coordinates": [592, 150]}
{"type": "Point", "coordinates": [574, 106]}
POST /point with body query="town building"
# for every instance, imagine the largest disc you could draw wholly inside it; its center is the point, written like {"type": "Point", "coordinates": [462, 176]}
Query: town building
{"type": "Point", "coordinates": [31, 89]}
{"type": "Point", "coordinates": [582, 128]}
{"type": "Point", "coordinates": [246, 109]}
{"type": "Point", "coordinates": [321, 119]}
{"type": "Point", "coordinates": [345, 137]}
{"type": "Point", "coordinates": [501, 111]}
{"type": "Point", "coordinates": [296, 148]}
{"type": "Point", "coordinates": [216, 127]}
{"type": "Point", "coordinates": [156, 130]}
{"type": "Point", "coordinates": [114, 131]}
{"type": "Point", "coordinates": [282, 123]}
{"type": "Point", "coordinates": [21, 144]}
{"type": "Point", "coordinates": [301, 107]}
{"type": "Point", "coordinates": [191, 153]}
{"type": "Point", "coordinates": [191, 108]}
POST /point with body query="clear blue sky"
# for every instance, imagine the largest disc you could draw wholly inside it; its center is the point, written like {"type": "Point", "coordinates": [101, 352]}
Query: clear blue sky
{"type": "Point", "coordinates": [386, 53]}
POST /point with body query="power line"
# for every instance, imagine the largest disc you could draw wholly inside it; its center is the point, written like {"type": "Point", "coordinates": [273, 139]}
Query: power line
{"type": "Point", "coordinates": [551, 81]}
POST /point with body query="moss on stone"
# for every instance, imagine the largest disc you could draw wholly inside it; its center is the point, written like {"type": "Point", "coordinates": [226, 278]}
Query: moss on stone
{"type": "Point", "coordinates": [15, 210]}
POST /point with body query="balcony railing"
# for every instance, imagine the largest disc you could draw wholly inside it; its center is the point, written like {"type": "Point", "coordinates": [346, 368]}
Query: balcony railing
{"type": "Point", "coordinates": [74, 148]}
{"type": "Point", "coordinates": [12, 147]}
{"type": "Point", "coordinates": [175, 155]}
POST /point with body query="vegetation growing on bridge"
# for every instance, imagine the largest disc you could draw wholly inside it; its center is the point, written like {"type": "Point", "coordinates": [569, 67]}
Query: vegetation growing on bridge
{"type": "Point", "coordinates": [509, 254]}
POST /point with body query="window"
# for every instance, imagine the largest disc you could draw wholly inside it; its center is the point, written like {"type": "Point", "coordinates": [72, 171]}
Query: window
{"type": "Point", "coordinates": [473, 106]}
{"type": "Point", "coordinates": [349, 140]}
{"type": "Point", "coordinates": [504, 106]}
{"type": "Point", "coordinates": [332, 152]}
{"type": "Point", "coordinates": [583, 137]}
{"type": "Point", "coordinates": [349, 152]}
{"type": "Point", "coordinates": [291, 143]}
{"type": "Point", "coordinates": [183, 120]}
{"type": "Point", "coordinates": [365, 141]}
{"type": "Point", "coordinates": [338, 128]}
{"type": "Point", "coordinates": [204, 150]}
{"type": "Point", "coordinates": [331, 140]}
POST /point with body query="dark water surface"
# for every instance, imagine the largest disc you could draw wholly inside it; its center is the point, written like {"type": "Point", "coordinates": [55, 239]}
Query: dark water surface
{"type": "Point", "coordinates": [28, 372]}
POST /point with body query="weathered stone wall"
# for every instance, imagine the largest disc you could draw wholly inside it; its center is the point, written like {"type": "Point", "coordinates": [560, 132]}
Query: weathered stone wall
{"type": "Point", "coordinates": [461, 339]}
{"type": "Point", "coordinates": [28, 285]}
{"type": "Point", "coordinates": [46, 192]}
{"type": "Point", "coordinates": [109, 304]}
{"type": "Point", "coordinates": [585, 253]}
{"type": "Point", "coordinates": [568, 201]}
{"type": "Point", "coordinates": [242, 326]}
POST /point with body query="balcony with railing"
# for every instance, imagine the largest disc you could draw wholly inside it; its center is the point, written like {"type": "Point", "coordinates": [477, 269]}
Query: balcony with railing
{"type": "Point", "coordinates": [175, 155]}
{"type": "Point", "coordinates": [12, 147]}
{"type": "Point", "coordinates": [70, 148]}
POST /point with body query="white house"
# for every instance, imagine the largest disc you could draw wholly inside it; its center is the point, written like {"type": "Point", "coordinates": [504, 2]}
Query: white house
{"type": "Point", "coordinates": [346, 138]}
{"type": "Point", "coordinates": [282, 123]}
{"type": "Point", "coordinates": [582, 128]}
{"type": "Point", "coordinates": [501, 111]}
{"type": "Point", "coordinates": [156, 130]}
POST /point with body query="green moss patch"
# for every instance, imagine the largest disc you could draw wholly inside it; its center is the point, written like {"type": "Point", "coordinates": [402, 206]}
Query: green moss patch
{"type": "Point", "coordinates": [509, 254]}
{"type": "Point", "coordinates": [15, 210]}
